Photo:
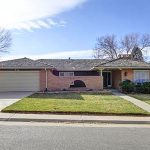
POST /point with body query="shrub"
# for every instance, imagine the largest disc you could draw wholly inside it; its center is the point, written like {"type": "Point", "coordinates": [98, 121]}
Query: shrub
{"type": "Point", "coordinates": [127, 86]}
{"type": "Point", "coordinates": [139, 88]}
{"type": "Point", "coordinates": [146, 87]}
{"type": "Point", "coordinates": [143, 88]}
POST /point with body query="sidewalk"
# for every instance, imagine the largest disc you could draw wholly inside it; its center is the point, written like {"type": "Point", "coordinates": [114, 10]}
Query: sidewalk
{"type": "Point", "coordinates": [135, 101]}
{"type": "Point", "coordinates": [74, 118]}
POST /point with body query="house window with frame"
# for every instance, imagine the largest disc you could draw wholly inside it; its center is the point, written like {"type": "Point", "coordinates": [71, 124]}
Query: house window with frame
{"type": "Point", "coordinates": [141, 76]}
{"type": "Point", "coordinates": [66, 74]}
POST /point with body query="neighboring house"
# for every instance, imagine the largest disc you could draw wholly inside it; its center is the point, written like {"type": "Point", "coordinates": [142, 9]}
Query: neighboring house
{"type": "Point", "coordinates": [63, 74]}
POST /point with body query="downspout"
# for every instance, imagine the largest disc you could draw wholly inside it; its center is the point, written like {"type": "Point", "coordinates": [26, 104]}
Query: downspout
{"type": "Point", "coordinates": [46, 80]}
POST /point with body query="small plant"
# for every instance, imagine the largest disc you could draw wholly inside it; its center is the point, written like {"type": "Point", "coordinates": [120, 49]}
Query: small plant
{"type": "Point", "coordinates": [127, 86]}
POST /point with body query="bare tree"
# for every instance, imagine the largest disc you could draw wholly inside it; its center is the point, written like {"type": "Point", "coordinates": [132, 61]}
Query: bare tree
{"type": "Point", "coordinates": [109, 47]}
{"type": "Point", "coordinates": [128, 42]}
{"type": "Point", "coordinates": [145, 41]}
{"type": "Point", "coordinates": [5, 40]}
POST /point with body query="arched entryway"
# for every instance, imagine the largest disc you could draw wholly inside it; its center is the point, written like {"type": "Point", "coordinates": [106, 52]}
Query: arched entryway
{"type": "Point", "coordinates": [78, 84]}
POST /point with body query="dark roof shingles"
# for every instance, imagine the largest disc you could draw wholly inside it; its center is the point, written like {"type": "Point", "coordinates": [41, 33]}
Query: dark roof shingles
{"type": "Point", "coordinates": [70, 64]}
{"type": "Point", "coordinates": [125, 62]}
{"type": "Point", "coordinates": [22, 63]}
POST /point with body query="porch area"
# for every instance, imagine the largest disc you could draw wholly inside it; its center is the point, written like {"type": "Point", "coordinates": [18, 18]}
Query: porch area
{"type": "Point", "coordinates": [113, 77]}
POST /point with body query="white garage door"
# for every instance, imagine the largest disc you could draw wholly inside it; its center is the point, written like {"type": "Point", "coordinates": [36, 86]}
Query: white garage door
{"type": "Point", "coordinates": [19, 81]}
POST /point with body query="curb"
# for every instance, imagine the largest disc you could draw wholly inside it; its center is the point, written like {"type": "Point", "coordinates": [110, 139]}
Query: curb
{"type": "Point", "coordinates": [74, 121]}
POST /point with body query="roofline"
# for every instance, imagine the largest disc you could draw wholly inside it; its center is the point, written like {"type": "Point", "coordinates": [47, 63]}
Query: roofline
{"type": "Point", "coordinates": [109, 61]}
{"type": "Point", "coordinates": [120, 67]}
{"type": "Point", "coordinates": [74, 70]}
{"type": "Point", "coordinates": [94, 68]}
{"type": "Point", "coordinates": [26, 68]}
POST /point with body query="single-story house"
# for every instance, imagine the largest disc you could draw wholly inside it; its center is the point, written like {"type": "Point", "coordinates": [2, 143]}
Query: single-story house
{"type": "Point", "coordinates": [65, 74]}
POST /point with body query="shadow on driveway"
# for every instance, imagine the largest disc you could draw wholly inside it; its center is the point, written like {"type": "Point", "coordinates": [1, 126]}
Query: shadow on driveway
{"type": "Point", "coordinates": [8, 98]}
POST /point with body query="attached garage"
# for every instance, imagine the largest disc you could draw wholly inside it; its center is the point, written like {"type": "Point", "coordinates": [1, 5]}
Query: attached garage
{"type": "Point", "coordinates": [19, 81]}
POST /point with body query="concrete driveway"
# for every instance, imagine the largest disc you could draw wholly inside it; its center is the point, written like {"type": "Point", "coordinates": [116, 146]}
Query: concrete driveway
{"type": "Point", "coordinates": [8, 98]}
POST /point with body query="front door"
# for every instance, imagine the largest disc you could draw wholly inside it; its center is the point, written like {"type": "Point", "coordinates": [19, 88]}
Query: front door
{"type": "Point", "coordinates": [107, 79]}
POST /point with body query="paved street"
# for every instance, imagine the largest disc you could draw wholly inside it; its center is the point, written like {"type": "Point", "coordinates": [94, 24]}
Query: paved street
{"type": "Point", "coordinates": [46, 136]}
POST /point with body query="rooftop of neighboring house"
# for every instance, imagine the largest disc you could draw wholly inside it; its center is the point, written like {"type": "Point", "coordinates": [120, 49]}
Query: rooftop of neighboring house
{"type": "Point", "coordinates": [72, 64]}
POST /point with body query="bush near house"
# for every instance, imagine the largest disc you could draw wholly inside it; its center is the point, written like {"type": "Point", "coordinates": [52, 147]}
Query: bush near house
{"type": "Point", "coordinates": [146, 87]}
{"type": "Point", "coordinates": [139, 88]}
{"type": "Point", "coordinates": [128, 86]}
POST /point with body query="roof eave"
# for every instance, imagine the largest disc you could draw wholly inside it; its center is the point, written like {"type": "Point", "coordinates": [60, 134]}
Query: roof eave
{"type": "Point", "coordinates": [24, 68]}
{"type": "Point", "coordinates": [120, 67]}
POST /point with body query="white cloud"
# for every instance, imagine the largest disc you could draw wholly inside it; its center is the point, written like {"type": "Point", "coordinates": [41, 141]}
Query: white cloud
{"type": "Point", "coordinates": [82, 54]}
{"type": "Point", "coordinates": [30, 14]}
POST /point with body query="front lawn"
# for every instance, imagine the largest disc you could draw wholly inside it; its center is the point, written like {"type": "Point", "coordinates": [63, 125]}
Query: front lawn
{"type": "Point", "coordinates": [142, 97]}
{"type": "Point", "coordinates": [92, 103]}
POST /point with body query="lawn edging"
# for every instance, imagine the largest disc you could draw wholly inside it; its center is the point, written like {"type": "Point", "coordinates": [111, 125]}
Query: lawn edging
{"type": "Point", "coordinates": [74, 119]}
{"type": "Point", "coordinates": [75, 113]}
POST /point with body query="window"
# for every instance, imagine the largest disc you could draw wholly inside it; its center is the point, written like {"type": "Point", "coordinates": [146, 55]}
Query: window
{"type": "Point", "coordinates": [66, 74]}
{"type": "Point", "coordinates": [141, 76]}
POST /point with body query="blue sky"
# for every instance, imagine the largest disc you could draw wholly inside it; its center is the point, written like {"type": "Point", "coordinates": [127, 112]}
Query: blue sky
{"type": "Point", "coordinates": [69, 28]}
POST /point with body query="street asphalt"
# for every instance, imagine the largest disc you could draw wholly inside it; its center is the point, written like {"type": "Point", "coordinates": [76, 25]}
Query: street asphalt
{"type": "Point", "coordinates": [19, 136]}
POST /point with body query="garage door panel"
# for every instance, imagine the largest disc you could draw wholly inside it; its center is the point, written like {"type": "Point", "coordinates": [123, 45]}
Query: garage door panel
{"type": "Point", "coordinates": [19, 81]}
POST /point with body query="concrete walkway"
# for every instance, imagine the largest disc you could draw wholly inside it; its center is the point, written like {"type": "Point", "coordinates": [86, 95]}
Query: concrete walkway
{"type": "Point", "coordinates": [73, 118]}
{"type": "Point", "coordinates": [135, 101]}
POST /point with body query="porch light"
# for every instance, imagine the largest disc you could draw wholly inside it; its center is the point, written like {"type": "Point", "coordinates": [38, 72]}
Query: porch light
{"type": "Point", "coordinates": [125, 74]}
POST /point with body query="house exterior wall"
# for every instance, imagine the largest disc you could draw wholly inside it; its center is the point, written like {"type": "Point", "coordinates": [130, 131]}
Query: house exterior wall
{"type": "Point", "coordinates": [92, 82]}
{"type": "Point", "coordinates": [129, 74]}
{"type": "Point", "coordinates": [42, 80]}
{"type": "Point", "coordinates": [120, 75]}
{"type": "Point", "coordinates": [116, 78]}
{"type": "Point", "coordinates": [60, 83]}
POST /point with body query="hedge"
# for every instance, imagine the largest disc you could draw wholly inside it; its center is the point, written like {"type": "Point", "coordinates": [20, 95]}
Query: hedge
{"type": "Point", "coordinates": [128, 86]}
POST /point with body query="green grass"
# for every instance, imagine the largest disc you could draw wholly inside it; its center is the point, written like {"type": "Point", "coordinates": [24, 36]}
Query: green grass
{"type": "Point", "coordinates": [74, 103]}
{"type": "Point", "coordinates": [142, 97]}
